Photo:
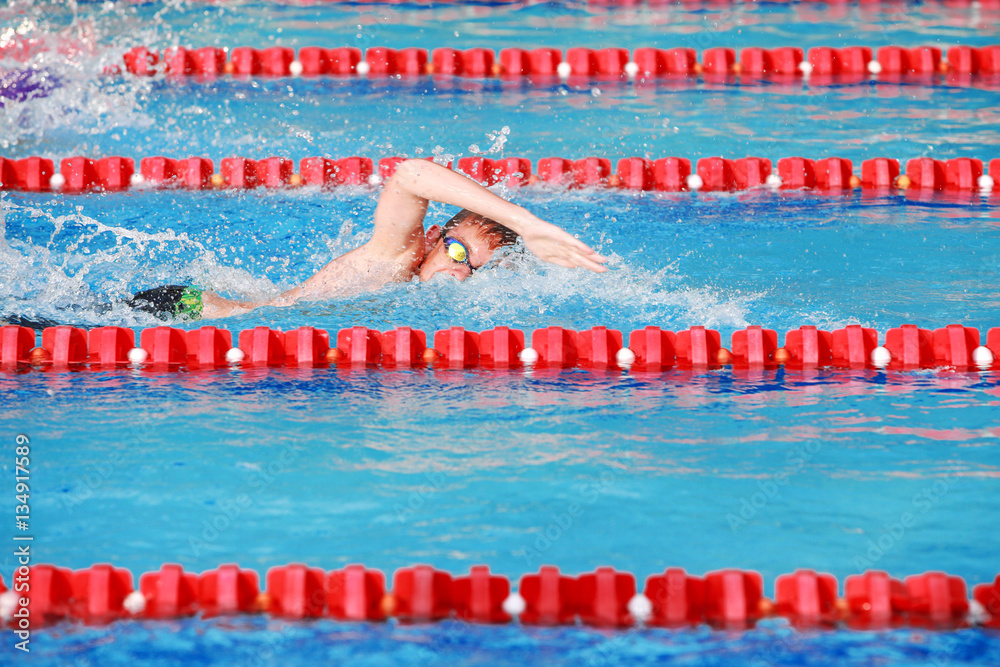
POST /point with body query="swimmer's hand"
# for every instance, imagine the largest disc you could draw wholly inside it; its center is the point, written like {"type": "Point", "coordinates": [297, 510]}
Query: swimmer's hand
{"type": "Point", "coordinates": [556, 246]}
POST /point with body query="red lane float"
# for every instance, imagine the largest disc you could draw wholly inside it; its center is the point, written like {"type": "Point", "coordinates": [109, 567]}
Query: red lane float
{"type": "Point", "coordinates": [109, 346]}
{"type": "Point", "coordinates": [99, 593]}
{"type": "Point", "coordinates": [555, 170]}
{"type": "Point", "coordinates": [875, 601]}
{"type": "Point", "coordinates": [263, 346]}
{"type": "Point", "coordinates": [359, 346]}
{"type": "Point", "coordinates": [806, 598]}
{"type": "Point", "coordinates": [50, 594]}
{"type": "Point", "coordinates": [670, 174]}
{"type": "Point", "coordinates": [603, 598]}
{"type": "Point", "coordinates": [697, 346]}
{"type": "Point", "coordinates": [910, 346]}
{"type": "Point", "coordinates": [988, 597]}
{"type": "Point", "coordinates": [501, 347]}
{"type": "Point", "coordinates": [169, 593]}
{"type": "Point", "coordinates": [207, 347]}
{"type": "Point", "coordinates": [833, 174]}
{"type": "Point", "coordinates": [166, 346]}
{"type": "Point", "coordinates": [733, 598]}
{"type": "Point", "coordinates": [479, 596]}
{"type": "Point", "coordinates": [239, 173]}
{"type": "Point", "coordinates": [421, 594]}
{"type": "Point", "coordinates": [718, 61]}
{"type": "Point", "coordinates": [403, 347]}
{"type": "Point", "coordinates": [717, 174]}
{"type": "Point", "coordinates": [67, 345]}
{"type": "Point", "coordinates": [797, 173]}
{"type": "Point", "coordinates": [676, 599]}
{"type": "Point", "coordinates": [808, 346]}
{"type": "Point", "coordinates": [79, 174]}
{"type": "Point", "coordinates": [754, 346]}
{"type": "Point", "coordinates": [306, 346]}
{"type": "Point", "coordinates": [458, 348]}
{"type": "Point", "coordinates": [591, 171]}
{"type": "Point", "coordinates": [227, 590]}
{"type": "Point", "coordinates": [557, 347]}
{"type": "Point", "coordinates": [597, 347]}
{"type": "Point", "coordinates": [115, 173]}
{"type": "Point", "coordinates": [654, 348]}
{"type": "Point", "coordinates": [272, 172]}
{"type": "Point", "coordinates": [550, 598]}
{"type": "Point", "coordinates": [937, 600]}
{"type": "Point", "coordinates": [879, 173]}
{"type": "Point", "coordinates": [15, 345]}
{"type": "Point", "coordinates": [852, 346]}
{"type": "Point", "coordinates": [635, 174]}
{"type": "Point", "coordinates": [751, 172]}
{"type": "Point", "coordinates": [355, 593]}
{"type": "Point", "coordinates": [296, 591]}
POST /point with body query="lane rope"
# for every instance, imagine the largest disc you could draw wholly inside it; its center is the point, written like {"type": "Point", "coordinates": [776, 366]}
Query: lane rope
{"type": "Point", "coordinates": [725, 599]}
{"type": "Point", "coordinates": [819, 65]}
{"type": "Point", "coordinates": [650, 349]}
{"type": "Point", "coordinates": [828, 175]}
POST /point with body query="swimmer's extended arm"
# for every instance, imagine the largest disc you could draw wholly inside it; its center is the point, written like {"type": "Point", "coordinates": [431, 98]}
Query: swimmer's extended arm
{"type": "Point", "coordinates": [399, 216]}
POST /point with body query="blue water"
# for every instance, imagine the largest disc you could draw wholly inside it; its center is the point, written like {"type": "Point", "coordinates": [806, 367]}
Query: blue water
{"type": "Point", "coordinates": [455, 468]}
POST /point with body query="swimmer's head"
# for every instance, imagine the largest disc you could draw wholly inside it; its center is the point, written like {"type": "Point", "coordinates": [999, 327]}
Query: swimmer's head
{"type": "Point", "coordinates": [471, 241]}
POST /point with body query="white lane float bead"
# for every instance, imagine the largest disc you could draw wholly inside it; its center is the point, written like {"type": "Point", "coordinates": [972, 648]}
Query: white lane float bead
{"type": "Point", "coordinates": [295, 68]}
{"type": "Point", "coordinates": [137, 180]}
{"type": "Point", "coordinates": [694, 182]}
{"type": "Point", "coordinates": [8, 605]}
{"type": "Point", "coordinates": [631, 69]}
{"type": "Point", "coordinates": [514, 605]}
{"type": "Point", "coordinates": [806, 68]}
{"type": "Point", "coordinates": [137, 356]}
{"type": "Point", "coordinates": [375, 180]}
{"type": "Point", "coordinates": [881, 357]}
{"type": "Point", "coordinates": [982, 356]}
{"type": "Point", "coordinates": [57, 181]}
{"type": "Point", "coordinates": [134, 603]}
{"type": "Point", "coordinates": [625, 357]}
{"type": "Point", "coordinates": [564, 69]}
{"type": "Point", "coordinates": [640, 607]}
{"type": "Point", "coordinates": [978, 615]}
{"type": "Point", "coordinates": [528, 355]}
{"type": "Point", "coordinates": [235, 355]}
{"type": "Point", "coordinates": [985, 183]}
{"type": "Point", "coordinates": [875, 67]}
{"type": "Point", "coordinates": [362, 68]}
{"type": "Point", "coordinates": [773, 181]}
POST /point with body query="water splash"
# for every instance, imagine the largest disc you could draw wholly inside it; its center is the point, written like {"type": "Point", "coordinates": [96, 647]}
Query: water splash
{"type": "Point", "coordinates": [53, 61]}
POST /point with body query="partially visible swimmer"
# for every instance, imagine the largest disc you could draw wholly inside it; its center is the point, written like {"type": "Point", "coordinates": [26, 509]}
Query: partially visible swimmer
{"type": "Point", "coordinates": [400, 249]}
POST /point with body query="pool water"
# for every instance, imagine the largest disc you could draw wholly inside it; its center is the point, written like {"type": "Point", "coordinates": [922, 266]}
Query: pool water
{"type": "Point", "coordinates": [455, 468]}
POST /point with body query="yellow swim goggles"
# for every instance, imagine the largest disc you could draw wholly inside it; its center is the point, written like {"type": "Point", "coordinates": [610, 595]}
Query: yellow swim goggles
{"type": "Point", "coordinates": [457, 252]}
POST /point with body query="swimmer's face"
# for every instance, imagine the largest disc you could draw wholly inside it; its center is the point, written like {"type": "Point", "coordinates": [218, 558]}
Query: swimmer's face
{"type": "Point", "coordinates": [480, 247]}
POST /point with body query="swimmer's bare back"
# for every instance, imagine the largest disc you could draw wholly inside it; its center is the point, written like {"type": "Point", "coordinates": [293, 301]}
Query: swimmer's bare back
{"type": "Point", "coordinates": [400, 249]}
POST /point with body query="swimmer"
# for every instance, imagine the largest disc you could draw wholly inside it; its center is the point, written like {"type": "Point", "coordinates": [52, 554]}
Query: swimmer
{"type": "Point", "coordinates": [400, 249]}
